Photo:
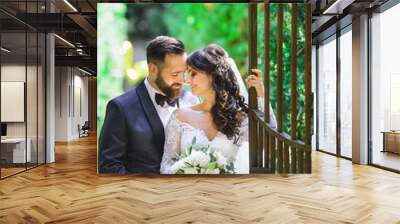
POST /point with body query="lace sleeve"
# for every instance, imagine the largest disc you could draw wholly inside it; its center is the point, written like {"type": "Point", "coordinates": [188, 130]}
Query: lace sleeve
{"type": "Point", "coordinates": [172, 145]}
{"type": "Point", "coordinates": [244, 130]}
{"type": "Point", "coordinates": [261, 107]}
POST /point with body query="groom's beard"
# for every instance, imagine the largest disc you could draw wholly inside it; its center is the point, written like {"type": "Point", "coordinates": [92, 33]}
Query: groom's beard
{"type": "Point", "coordinates": [171, 91]}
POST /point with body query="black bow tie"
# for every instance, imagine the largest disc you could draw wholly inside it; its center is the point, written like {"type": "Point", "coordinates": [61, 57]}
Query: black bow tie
{"type": "Point", "coordinates": [161, 100]}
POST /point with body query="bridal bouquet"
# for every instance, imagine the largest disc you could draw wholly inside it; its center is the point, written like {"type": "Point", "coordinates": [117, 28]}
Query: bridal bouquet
{"type": "Point", "coordinates": [202, 160]}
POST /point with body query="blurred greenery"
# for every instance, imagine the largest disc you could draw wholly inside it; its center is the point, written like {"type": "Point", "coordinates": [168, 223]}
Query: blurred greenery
{"type": "Point", "coordinates": [200, 24]}
{"type": "Point", "coordinates": [109, 64]}
{"type": "Point", "coordinates": [286, 54]}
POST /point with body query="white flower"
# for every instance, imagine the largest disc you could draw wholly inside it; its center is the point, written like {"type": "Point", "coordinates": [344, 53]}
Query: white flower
{"type": "Point", "coordinates": [221, 160]}
{"type": "Point", "coordinates": [189, 170]}
{"type": "Point", "coordinates": [203, 170]}
{"type": "Point", "coordinates": [229, 150]}
{"type": "Point", "coordinates": [177, 166]}
{"type": "Point", "coordinates": [198, 158]}
{"type": "Point", "coordinates": [212, 171]}
{"type": "Point", "coordinates": [201, 143]}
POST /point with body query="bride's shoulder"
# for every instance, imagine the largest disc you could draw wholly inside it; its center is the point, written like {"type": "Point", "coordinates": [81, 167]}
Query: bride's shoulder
{"type": "Point", "coordinates": [182, 114]}
{"type": "Point", "coordinates": [185, 114]}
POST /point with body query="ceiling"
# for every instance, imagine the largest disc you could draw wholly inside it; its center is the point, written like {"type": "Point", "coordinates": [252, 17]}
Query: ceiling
{"type": "Point", "coordinates": [332, 15]}
{"type": "Point", "coordinates": [73, 21]}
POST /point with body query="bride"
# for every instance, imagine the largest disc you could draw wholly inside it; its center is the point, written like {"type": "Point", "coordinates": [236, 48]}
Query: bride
{"type": "Point", "coordinates": [219, 122]}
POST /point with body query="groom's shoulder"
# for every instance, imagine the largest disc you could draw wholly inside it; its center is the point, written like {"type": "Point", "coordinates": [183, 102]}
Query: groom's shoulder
{"type": "Point", "coordinates": [128, 98]}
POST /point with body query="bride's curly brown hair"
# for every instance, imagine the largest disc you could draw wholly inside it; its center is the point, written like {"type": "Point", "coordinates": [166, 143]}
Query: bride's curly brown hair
{"type": "Point", "coordinates": [230, 108]}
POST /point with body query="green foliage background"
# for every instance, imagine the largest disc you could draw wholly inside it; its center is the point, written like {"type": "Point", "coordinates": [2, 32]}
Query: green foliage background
{"type": "Point", "coordinates": [200, 24]}
{"type": "Point", "coordinates": [286, 61]}
{"type": "Point", "coordinates": [110, 64]}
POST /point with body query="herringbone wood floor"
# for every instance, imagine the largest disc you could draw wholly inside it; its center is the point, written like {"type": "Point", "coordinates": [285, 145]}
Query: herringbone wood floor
{"type": "Point", "coordinates": [70, 191]}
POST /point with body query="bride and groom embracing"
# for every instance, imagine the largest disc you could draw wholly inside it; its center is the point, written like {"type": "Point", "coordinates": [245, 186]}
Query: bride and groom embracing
{"type": "Point", "coordinates": [158, 127]}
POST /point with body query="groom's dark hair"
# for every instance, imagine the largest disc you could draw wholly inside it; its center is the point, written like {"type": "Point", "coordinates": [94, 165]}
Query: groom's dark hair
{"type": "Point", "coordinates": [160, 46]}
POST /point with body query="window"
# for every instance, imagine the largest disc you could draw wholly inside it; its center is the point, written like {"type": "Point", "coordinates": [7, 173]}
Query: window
{"type": "Point", "coordinates": [346, 94]}
{"type": "Point", "coordinates": [385, 89]}
{"type": "Point", "coordinates": [327, 96]}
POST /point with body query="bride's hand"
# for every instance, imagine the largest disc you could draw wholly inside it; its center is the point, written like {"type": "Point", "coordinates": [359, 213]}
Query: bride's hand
{"type": "Point", "coordinates": [256, 82]}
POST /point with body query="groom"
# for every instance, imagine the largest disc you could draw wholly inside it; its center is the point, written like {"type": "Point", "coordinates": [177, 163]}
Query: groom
{"type": "Point", "coordinates": [132, 137]}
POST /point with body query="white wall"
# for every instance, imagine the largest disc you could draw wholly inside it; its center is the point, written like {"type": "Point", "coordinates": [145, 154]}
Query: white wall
{"type": "Point", "coordinates": [33, 127]}
{"type": "Point", "coordinates": [12, 73]}
{"type": "Point", "coordinates": [16, 73]}
{"type": "Point", "coordinates": [71, 93]}
{"type": "Point", "coordinates": [80, 100]}
{"type": "Point", "coordinates": [61, 103]}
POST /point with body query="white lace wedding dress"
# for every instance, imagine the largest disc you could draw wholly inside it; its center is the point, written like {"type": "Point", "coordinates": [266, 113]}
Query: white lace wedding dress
{"type": "Point", "coordinates": [179, 135]}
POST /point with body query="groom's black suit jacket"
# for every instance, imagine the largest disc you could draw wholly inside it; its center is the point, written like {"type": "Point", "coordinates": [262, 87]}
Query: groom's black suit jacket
{"type": "Point", "coordinates": [132, 137]}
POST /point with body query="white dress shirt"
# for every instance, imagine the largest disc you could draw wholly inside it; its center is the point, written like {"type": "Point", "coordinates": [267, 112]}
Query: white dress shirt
{"type": "Point", "coordinates": [164, 112]}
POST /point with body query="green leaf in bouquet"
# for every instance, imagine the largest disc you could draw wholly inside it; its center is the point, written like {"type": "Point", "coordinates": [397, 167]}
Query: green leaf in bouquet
{"type": "Point", "coordinates": [212, 165]}
{"type": "Point", "coordinates": [178, 157]}
{"type": "Point", "coordinates": [194, 140]}
{"type": "Point", "coordinates": [190, 150]}
{"type": "Point", "coordinates": [230, 167]}
{"type": "Point", "coordinates": [204, 149]}
{"type": "Point", "coordinates": [191, 146]}
{"type": "Point", "coordinates": [213, 158]}
{"type": "Point", "coordinates": [180, 172]}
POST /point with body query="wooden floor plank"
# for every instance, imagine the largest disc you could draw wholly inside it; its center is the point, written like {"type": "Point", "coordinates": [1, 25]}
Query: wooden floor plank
{"type": "Point", "coordinates": [70, 191]}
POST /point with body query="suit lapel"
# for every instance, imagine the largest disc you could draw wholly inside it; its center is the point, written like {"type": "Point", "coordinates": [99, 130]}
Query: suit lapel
{"type": "Point", "coordinates": [151, 114]}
